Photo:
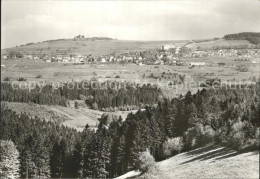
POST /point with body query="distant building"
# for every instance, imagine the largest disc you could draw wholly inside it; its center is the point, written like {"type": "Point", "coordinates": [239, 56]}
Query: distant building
{"type": "Point", "coordinates": [197, 64]}
{"type": "Point", "coordinates": [111, 58]}
{"type": "Point", "coordinates": [168, 46]}
{"type": "Point", "coordinates": [4, 56]}
{"type": "Point", "coordinates": [103, 60]}
{"type": "Point", "coordinates": [30, 57]}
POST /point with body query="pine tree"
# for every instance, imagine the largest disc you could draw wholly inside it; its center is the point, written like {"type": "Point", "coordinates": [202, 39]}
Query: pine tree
{"type": "Point", "coordinates": [28, 167]}
{"type": "Point", "coordinates": [76, 161]}
{"type": "Point", "coordinates": [58, 156]}
{"type": "Point", "coordinates": [9, 160]}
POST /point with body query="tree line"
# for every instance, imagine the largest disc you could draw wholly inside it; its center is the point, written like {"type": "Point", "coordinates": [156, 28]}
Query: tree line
{"type": "Point", "coordinates": [97, 96]}
{"type": "Point", "coordinates": [252, 37]}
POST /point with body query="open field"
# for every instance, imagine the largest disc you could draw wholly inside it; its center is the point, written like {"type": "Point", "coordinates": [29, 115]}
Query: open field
{"type": "Point", "coordinates": [42, 112]}
{"type": "Point", "coordinates": [207, 162]}
{"type": "Point", "coordinates": [71, 117]}
{"type": "Point", "coordinates": [51, 72]}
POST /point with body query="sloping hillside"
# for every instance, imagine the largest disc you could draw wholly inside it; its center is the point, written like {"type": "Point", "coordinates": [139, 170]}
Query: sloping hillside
{"type": "Point", "coordinates": [207, 162]}
{"type": "Point", "coordinates": [75, 118]}
{"type": "Point", "coordinates": [86, 47]}
{"type": "Point", "coordinates": [218, 43]}
{"type": "Point", "coordinates": [35, 110]}
{"type": "Point", "coordinates": [68, 116]}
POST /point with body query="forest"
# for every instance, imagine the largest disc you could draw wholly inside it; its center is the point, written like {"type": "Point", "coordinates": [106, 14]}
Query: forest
{"type": "Point", "coordinates": [96, 95]}
{"type": "Point", "coordinates": [252, 37]}
{"type": "Point", "coordinates": [228, 117]}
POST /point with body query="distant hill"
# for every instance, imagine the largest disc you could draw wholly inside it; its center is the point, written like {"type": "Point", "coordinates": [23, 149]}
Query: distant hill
{"type": "Point", "coordinates": [218, 43]}
{"type": "Point", "coordinates": [252, 37]}
{"type": "Point", "coordinates": [96, 46]}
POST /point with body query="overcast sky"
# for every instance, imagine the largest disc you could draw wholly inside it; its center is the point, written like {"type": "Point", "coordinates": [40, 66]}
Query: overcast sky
{"type": "Point", "coordinates": [33, 21]}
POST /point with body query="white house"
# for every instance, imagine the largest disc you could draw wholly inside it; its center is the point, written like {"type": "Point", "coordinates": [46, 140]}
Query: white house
{"type": "Point", "coordinates": [30, 57]}
{"type": "Point", "coordinates": [178, 49]}
{"type": "Point", "coordinates": [168, 46]}
{"type": "Point", "coordinates": [254, 61]}
{"type": "Point", "coordinates": [59, 58]}
{"type": "Point", "coordinates": [118, 59]}
{"type": "Point", "coordinates": [111, 58]}
{"type": "Point", "coordinates": [129, 58]}
{"type": "Point", "coordinates": [103, 60]}
{"type": "Point", "coordinates": [4, 57]}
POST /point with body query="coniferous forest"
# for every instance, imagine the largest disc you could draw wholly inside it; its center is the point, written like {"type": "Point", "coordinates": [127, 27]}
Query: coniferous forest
{"type": "Point", "coordinates": [96, 96]}
{"type": "Point", "coordinates": [229, 117]}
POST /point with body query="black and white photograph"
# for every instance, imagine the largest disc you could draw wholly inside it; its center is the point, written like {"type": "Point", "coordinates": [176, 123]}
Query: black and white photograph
{"type": "Point", "coordinates": [130, 89]}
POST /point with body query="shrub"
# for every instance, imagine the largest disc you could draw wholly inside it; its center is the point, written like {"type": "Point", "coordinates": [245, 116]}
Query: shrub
{"type": "Point", "coordinates": [242, 68]}
{"type": "Point", "coordinates": [7, 79]}
{"type": "Point", "coordinates": [146, 161]}
{"type": "Point", "coordinates": [238, 137]}
{"type": "Point", "coordinates": [76, 105]}
{"type": "Point", "coordinates": [94, 106]}
{"type": "Point", "coordinates": [82, 97]}
{"type": "Point", "coordinates": [208, 135]}
{"type": "Point", "coordinates": [190, 138]}
{"type": "Point", "coordinates": [198, 136]}
{"type": "Point", "coordinates": [19, 55]}
{"type": "Point", "coordinates": [21, 79]}
{"type": "Point", "coordinates": [173, 146]}
{"type": "Point", "coordinates": [38, 76]}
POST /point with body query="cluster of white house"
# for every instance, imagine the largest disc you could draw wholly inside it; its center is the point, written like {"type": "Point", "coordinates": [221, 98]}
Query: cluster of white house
{"type": "Point", "coordinates": [58, 58]}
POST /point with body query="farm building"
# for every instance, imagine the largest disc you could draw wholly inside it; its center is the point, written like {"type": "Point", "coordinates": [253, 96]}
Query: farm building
{"type": "Point", "coordinates": [141, 64]}
{"type": "Point", "coordinates": [198, 54]}
{"type": "Point", "coordinates": [30, 57]}
{"type": "Point", "coordinates": [255, 61]}
{"type": "Point", "coordinates": [197, 64]}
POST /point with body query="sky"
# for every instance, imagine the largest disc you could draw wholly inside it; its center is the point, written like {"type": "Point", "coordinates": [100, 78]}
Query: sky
{"type": "Point", "coordinates": [25, 21]}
